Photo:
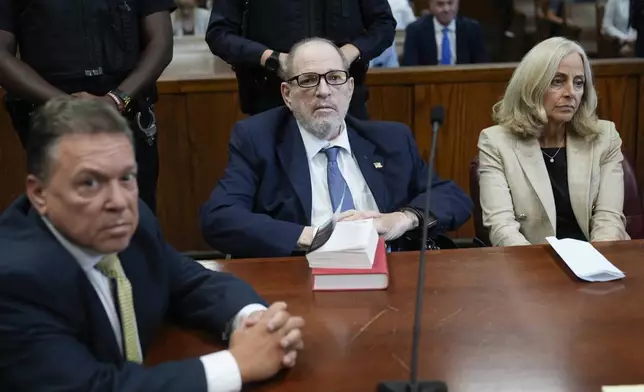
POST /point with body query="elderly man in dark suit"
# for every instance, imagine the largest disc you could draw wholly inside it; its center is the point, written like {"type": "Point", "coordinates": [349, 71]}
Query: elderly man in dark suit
{"type": "Point", "coordinates": [443, 38]}
{"type": "Point", "coordinates": [289, 168]}
{"type": "Point", "coordinates": [86, 279]}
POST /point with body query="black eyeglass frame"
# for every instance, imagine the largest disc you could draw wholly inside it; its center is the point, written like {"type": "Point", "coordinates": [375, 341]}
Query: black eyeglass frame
{"type": "Point", "coordinates": [320, 76]}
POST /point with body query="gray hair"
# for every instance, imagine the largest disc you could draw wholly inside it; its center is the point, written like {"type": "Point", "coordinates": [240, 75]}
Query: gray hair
{"type": "Point", "coordinates": [290, 58]}
{"type": "Point", "coordinates": [521, 110]}
{"type": "Point", "coordinates": [68, 116]}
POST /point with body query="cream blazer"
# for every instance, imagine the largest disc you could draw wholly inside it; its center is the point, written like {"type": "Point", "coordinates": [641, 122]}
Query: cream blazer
{"type": "Point", "coordinates": [516, 194]}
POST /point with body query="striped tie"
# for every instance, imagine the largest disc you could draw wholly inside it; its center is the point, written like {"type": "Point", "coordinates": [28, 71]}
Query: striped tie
{"type": "Point", "coordinates": [111, 266]}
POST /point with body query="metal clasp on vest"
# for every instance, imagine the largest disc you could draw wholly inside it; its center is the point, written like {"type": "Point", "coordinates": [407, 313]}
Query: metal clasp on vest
{"type": "Point", "coordinates": [151, 130]}
{"type": "Point", "coordinates": [94, 72]}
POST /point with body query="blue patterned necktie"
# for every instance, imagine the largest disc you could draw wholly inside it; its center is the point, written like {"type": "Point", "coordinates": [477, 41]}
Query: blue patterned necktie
{"type": "Point", "coordinates": [337, 184]}
{"type": "Point", "coordinates": [446, 53]}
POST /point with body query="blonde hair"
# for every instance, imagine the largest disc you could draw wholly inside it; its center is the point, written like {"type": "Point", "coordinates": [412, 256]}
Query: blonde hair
{"type": "Point", "coordinates": [521, 109]}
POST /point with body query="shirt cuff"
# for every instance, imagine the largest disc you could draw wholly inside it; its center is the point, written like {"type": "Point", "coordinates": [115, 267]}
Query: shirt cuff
{"type": "Point", "coordinates": [222, 372]}
{"type": "Point", "coordinates": [245, 312]}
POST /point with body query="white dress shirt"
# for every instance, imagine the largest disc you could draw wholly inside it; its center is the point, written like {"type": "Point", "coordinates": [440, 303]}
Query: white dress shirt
{"type": "Point", "coordinates": [438, 32]}
{"type": "Point", "coordinates": [403, 13]}
{"type": "Point", "coordinates": [616, 18]}
{"type": "Point", "coordinates": [321, 208]}
{"type": "Point", "coordinates": [200, 22]}
{"type": "Point", "coordinates": [221, 370]}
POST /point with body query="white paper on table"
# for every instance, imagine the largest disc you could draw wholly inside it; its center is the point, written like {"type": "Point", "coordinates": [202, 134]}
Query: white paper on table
{"type": "Point", "coordinates": [623, 388]}
{"type": "Point", "coordinates": [584, 260]}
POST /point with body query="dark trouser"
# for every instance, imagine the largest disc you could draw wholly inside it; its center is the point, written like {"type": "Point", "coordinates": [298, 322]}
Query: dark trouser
{"type": "Point", "coordinates": [639, 44]}
{"type": "Point", "coordinates": [147, 159]}
{"type": "Point", "coordinates": [147, 155]}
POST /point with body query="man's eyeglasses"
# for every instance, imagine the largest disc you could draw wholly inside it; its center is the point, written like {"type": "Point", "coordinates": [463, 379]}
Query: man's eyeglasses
{"type": "Point", "coordinates": [312, 79]}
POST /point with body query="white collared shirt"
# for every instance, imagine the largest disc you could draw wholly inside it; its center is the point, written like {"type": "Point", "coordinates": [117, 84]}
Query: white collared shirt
{"type": "Point", "coordinates": [222, 372]}
{"type": "Point", "coordinates": [438, 32]}
{"type": "Point", "coordinates": [321, 208]}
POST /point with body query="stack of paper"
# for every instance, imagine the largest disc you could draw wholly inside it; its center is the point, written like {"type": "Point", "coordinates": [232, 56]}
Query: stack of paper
{"type": "Point", "coordinates": [584, 260]}
{"type": "Point", "coordinates": [352, 245]}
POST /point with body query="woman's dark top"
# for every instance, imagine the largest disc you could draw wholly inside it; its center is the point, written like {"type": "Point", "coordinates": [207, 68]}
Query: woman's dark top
{"type": "Point", "coordinates": [567, 226]}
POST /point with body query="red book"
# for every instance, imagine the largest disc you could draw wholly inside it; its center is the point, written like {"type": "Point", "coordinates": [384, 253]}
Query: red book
{"type": "Point", "coordinates": [338, 279]}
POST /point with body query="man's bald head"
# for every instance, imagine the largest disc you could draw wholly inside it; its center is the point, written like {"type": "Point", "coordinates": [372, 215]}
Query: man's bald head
{"type": "Point", "coordinates": [310, 49]}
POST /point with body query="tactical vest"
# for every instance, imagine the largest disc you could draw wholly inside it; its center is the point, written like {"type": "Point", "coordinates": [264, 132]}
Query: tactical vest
{"type": "Point", "coordinates": [73, 39]}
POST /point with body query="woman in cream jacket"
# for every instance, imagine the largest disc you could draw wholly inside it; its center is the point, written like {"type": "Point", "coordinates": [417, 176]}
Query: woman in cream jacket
{"type": "Point", "coordinates": [550, 167]}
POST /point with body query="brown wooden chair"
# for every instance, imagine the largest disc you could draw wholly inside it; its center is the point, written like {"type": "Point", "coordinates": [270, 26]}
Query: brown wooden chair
{"type": "Point", "coordinates": [481, 233]}
{"type": "Point", "coordinates": [633, 208]}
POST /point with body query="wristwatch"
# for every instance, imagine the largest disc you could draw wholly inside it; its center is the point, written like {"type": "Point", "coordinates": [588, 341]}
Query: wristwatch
{"type": "Point", "coordinates": [122, 99]}
{"type": "Point", "coordinates": [421, 216]}
{"type": "Point", "coordinates": [273, 62]}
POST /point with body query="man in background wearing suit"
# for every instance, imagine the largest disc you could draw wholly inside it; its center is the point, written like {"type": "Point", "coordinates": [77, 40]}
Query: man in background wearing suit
{"type": "Point", "coordinates": [289, 167]}
{"type": "Point", "coordinates": [458, 40]}
{"type": "Point", "coordinates": [86, 282]}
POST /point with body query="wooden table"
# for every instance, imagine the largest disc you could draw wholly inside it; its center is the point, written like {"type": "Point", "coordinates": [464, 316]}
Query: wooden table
{"type": "Point", "coordinates": [496, 319]}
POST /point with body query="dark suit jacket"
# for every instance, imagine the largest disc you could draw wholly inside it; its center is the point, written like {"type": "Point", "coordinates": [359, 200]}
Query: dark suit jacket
{"type": "Point", "coordinates": [637, 22]}
{"type": "Point", "coordinates": [55, 334]}
{"type": "Point", "coordinates": [420, 42]}
{"type": "Point", "coordinates": [263, 201]}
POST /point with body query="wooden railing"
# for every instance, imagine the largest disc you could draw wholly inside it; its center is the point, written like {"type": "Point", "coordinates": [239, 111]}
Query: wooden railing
{"type": "Point", "coordinates": [196, 115]}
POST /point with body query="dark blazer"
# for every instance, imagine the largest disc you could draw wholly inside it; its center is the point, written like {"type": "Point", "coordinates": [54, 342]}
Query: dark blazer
{"type": "Point", "coordinates": [55, 334]}
{"type": "Point", "coordinates": [420, 42]}
{"type": "Point", "coordinates": [263, 201]}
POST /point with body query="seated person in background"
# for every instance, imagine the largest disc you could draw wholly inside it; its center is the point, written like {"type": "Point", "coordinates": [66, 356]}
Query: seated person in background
{"type": "Point", "coordinates": [86, 282]}
{"type": "Point", "coordinates": [388, 58]}
{"type": "Point", "coordinates": [289, 167]}
{"type": "Point", "coordinates": [551, 168]}
{"type": "Point", "coordinates": [458, 40]}
{"type": "Point", "coordinates": [189, 19]}
{"type": "Point", "coordinates": [616, 25]}
{"type": "Point", "coordinates": [404, 15]}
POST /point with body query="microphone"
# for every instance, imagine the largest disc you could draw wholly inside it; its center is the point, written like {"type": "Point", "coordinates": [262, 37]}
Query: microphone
{"type": "Point", "coordinates": [413, 385]}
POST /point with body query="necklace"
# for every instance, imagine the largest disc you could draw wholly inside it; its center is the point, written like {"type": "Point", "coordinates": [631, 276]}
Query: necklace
{"type": "Point", "coordinates": [552, 158]}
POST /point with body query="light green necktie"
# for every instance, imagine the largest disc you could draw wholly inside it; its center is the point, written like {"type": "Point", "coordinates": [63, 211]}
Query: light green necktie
{"type": "Point", "coordinates": [111, 266]}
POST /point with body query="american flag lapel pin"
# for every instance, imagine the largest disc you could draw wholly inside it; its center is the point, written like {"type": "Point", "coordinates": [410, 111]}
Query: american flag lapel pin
{"type": "Point", "coordinates": [377, 165]}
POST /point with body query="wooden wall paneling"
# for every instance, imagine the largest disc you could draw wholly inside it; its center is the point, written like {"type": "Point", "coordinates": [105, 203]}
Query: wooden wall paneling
{"type": "Point", "coordinates": [617, 103]}
{"type": "Point", "coordinates": [391, 103]}
{"type": "Point", "coordinates": [175, 193]}
{"type": "Point", "coordinates": [467, 112]}
{"type": "Point", "coordinates": [639, 156]}
{"type": "Point", "coordinates": [211, 117]}
{"type": "Point", "coordinates": [13, 166]}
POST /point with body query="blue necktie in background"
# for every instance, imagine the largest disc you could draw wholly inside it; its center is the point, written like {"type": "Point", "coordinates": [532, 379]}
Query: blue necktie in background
{"type": "Point", "coordinates": [337, 184]}
{"type": "Point", "coordinates": [446, 52]}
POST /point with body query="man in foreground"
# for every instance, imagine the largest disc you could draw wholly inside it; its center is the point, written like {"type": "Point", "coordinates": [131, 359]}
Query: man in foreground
{"type": "Point", "coordinates": [290, 168]}
{"type": "Point", "coordinates": [85, 282]}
